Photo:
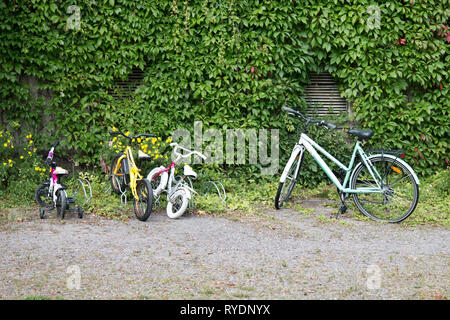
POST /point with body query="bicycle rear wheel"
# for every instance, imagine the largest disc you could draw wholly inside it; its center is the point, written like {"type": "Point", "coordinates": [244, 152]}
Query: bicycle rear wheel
{"type": "Point", "coordinates": [400, 191]}
{"type": "Point", "coordinates": [61, 203]}
{"type": "Point", "coordinates": [118, 180]}
{"type": "Point", "coordinates": [285, 188]}
{"type": "Point", "coordinates": [42, 196]}
{"type": "Point", "coordinates": [143, 205]}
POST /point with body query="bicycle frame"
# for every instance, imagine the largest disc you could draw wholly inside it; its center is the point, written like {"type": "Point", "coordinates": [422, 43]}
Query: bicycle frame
{"type": "Point", "coordinates": [312, 147]}
{"type": "Point", "coordinates": [133, 170]}
{"type": "Point", "coordinates": [54, 185]}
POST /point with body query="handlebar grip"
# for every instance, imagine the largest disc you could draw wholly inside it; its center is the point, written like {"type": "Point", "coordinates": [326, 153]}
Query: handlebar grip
{"type": "Point", "coordinates": [114, 133]}
{"type": "Point", "coordinates": [151, 135]}
{"type": "Point", "coordinates": [289, 110]}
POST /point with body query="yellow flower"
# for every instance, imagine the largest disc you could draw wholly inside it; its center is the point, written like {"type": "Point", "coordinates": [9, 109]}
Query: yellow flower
{"type": "Point", "coordinates": [159, 138]}
{"type": "Point", "coordinates": [9, 160]}
{"type": "Point", "coordinates": [153, 140]}
{"type": "Point", "coordinates": [12, 147]}
{"type": "Point", "coordinates": [139, 140]}
{"type": "Point", "coordinates": [37, 168]}
{"type": "Point", "coordinates": [101, 142]}
{"type": "Point", "coordinates": [5, 145]}
{"type": "Point", "coordinates": [21, 157]}
{"type": "Point", "coordinates": [169, 140]}
{"type": "Point", "coordinates": [29, 153]}
{"type": "Point", "coordinates": [31, 142]}
{"type": "Point", "coordinates": [4, 163]}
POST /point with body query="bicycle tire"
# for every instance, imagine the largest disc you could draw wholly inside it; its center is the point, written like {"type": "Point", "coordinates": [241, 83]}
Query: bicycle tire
{"type": "Point", "coordinates": [118, 181]}
{"type": "Point", "coordinates": [178, 204]}
{"type": "Point", "coordinates": [279, 199]}
{"type": "Point", "coordinates": [61, 203]}
{"type": "Point", "coordinates": [401, 192]}
{"type": "Point", "coordinates": [41, 195]}
{"type": "Point", "coordinates": [143, 206]}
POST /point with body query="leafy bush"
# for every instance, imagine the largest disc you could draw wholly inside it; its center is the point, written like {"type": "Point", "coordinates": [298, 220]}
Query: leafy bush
{"type": "Point", "coordinates": [20, 169]}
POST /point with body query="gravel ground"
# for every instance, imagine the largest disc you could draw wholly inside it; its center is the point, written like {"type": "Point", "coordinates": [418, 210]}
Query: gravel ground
{"type": "Point", "coordinates": [276, 255]}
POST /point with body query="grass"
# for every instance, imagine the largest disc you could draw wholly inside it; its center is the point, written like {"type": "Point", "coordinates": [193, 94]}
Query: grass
{"type": "Point", "coordinates": [255, 198]}
{"type": "Point", "coordinates": [252, 198]}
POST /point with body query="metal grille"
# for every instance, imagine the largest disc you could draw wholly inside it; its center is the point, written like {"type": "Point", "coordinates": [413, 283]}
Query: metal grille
{"type": "Point", "coordinates": [323, 96]}
{"type": "Point", "coordinates": [125, 88]}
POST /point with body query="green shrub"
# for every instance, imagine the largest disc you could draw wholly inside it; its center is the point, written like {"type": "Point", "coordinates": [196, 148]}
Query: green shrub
{"type": "Point", "coordinates": [21, 170]}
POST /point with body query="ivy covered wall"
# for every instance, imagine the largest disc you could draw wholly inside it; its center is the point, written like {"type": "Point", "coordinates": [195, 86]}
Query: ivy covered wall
{"type": "Point", "coordinates": [228, 63]}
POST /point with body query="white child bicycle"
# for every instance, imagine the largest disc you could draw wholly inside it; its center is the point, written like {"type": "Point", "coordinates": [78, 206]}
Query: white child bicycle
{"type": "Point", "coordinates": [178, 192]}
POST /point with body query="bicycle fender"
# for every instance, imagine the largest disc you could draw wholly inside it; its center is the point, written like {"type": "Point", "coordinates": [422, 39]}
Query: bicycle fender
{"type": "Point", "coordinates": [407, 166]}
{"type": "Point", "coordinates": [163, 182]}
{"type": "Point", "coordinates": [297, 149]}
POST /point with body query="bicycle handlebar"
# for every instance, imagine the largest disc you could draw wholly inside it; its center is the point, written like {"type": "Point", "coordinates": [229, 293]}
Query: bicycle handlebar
{"type": "Point", "coordinates": [116, 133]}
{"type": "Point", "coordinates": [49, 159]}
{"type": "Point", "coordinates": [190, 152]}
{"type": "Point", "coordinates": [309, 120]}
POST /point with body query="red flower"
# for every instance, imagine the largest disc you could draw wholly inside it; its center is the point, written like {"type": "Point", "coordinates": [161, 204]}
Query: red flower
{"type": "Point", "coordinates": [448, 37]}
{"type": "Point", "coordinates": [252, 70]}
{"type": "Point", "coordinates": [441, 86]}
{"type": "Point", "coordinates": [402, 41]}
{"type": "Point", "coordinates": [415, 149]}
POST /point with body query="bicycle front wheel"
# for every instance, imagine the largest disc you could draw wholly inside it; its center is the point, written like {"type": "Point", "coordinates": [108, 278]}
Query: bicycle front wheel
{"type": "Point", "coordinates": [177, 204]}
{"type": "Point", "coordinates": [399, 196]}
{"type": "Point", "coordinates": [143, 205]}
{"type": "Point", "coordinates": [285, 188]}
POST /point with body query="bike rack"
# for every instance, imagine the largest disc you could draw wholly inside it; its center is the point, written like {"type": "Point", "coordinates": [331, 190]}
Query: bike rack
{"type": "Point", "coordinates": [123, 193]}
{"type": "Point", "coordinates": [221, 192]}
{"type": "Point", "coordinates": [82, 184]}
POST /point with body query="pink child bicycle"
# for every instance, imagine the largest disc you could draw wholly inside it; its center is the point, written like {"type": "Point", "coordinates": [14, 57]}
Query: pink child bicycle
{"type": "Point", "coordinates": [52, 194]}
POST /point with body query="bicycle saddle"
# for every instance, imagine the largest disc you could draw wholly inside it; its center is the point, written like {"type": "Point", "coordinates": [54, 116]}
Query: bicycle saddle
{"type": "Point", "coordinates": [361, 134]}
{"type": "Point", "coordinates": [143, 156]}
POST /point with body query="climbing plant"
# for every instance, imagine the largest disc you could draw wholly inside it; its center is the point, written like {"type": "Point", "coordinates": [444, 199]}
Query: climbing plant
{"type": "Point", "coordinates": [230, 64]}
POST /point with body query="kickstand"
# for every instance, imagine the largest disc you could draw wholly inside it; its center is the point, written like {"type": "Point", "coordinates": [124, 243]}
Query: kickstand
{"type": "Point", "coordinates": [343, 207]}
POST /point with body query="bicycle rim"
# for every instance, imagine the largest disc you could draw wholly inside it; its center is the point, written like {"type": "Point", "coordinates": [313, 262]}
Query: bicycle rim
{"type": "Point", "coordinates": [400, 191]}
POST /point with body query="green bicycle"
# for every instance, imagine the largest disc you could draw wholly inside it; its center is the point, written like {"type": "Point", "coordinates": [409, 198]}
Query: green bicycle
{"type": "Point", "coordinates": [383, 186]}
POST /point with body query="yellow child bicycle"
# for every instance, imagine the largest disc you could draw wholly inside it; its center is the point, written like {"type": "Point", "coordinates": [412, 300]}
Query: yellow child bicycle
{"type": "Point", "coordinates": [125, 173]}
